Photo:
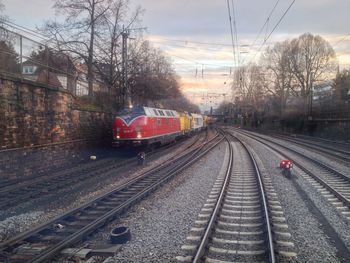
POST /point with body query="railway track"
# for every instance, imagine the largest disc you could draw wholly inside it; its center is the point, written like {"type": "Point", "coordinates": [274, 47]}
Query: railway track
{"type": "Point", "coordinates": [345, 145]}
{"type": "Point", "coordinates": [333, 185]}
{"type": "Point", "coordinates": [333, 152]}
{"type": "Point", "coordinates": [43, 186]}
{"type": "Point", "coordinates": [44, 242]}
{"type": "Point", "coordinates": [235, 223]}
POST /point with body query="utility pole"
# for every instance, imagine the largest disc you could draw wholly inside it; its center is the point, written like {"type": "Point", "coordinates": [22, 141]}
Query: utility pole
{"type": "Point", "coordinates": [126, 91]}
{"type": "Point", "coordinates": [311, 95]}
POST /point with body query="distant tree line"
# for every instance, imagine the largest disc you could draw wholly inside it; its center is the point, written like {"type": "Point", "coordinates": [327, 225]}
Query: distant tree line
{"type": "Point", "coordinates": [293, 81]}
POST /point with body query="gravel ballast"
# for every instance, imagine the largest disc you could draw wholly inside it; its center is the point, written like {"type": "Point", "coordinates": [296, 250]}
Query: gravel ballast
{"type": "Point", "coordinates": [308, 233]}
{"type": "Point", "coordinates": [36, 212]}
{"type": "Point", "coordinates": [335, 164]}
{"type": "Point", "coordinates": [159, 224]}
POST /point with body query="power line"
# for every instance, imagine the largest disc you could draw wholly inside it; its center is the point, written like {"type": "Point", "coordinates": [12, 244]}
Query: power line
{"type": "Point", "coordinates": [194, 42]}
{"type": "Point", "coordinates": [280, 20]}
{"type": "Point", "coordinates": [174, 45]}
{"type": "Point", "coordinates": [231, 30]}
{"type": "Point", "coordinates": [235, 31]}
{"type": "Point", "coordinates": [341, 40]}
{"type": "Point", "coordinates": [274, 28]}
{"type": "Point", "coordinates": [265, 25]}
{"type": "Point", "coordinates": [200, 63]}
{"type": "Point", "coordinates": [266, 22]}
{"type": "Point", "coordinates": [26, 30]}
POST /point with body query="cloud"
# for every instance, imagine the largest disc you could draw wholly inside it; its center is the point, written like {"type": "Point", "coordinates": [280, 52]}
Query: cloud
{"type": "Point", "coordinates": [207, 21]}
{"type": "Point", "coordinates": [29, 13]}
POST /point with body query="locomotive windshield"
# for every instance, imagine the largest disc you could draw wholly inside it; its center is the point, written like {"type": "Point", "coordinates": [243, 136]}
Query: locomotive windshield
{"type": "Point", "coordinates": [129, 114]}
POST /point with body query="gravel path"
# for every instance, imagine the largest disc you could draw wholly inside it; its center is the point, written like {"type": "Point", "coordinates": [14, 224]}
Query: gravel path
{"type": "Point", "coordinates": [309, 235]}
{"type": "Point", "coordinates": [160, 223]}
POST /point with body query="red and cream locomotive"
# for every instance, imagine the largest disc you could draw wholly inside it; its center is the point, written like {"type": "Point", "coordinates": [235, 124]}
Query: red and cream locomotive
{"type": "Point", "coordinates": [145, 125]}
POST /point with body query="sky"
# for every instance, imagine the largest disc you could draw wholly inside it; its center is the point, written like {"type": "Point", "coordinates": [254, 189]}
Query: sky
{"type": "Point", "coordinates": [195, 34]}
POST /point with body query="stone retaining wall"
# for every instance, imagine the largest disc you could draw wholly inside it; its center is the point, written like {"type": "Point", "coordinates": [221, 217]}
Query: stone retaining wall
{"type": "Point", "coordinates": [40, 127]}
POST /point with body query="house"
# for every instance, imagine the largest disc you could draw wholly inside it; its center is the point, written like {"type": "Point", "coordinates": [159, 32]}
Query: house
{"type": "Point", "coordinates": [82, 83]}
{"type": "Point", "coordinates": [58, 70]}
{"type": "Point", "coordinates": [323, 92]}
{"type": "Point", "coordinates": [32, 71]}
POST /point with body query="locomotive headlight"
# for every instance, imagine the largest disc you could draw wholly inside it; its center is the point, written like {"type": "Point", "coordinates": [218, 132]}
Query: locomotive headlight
{"type": "Point", "coordinates": [118, 137]}
{"type": "Point", "coordinates": [139, 135]}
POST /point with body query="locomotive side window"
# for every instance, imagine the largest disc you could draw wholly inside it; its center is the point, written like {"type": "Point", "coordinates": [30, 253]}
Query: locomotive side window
{"type": "Point", "coordinates": [158, 121]}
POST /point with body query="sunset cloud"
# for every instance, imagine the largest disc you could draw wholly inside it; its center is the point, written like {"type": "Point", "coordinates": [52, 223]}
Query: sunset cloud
{"type": "Point", "coordinates": [183, 29]}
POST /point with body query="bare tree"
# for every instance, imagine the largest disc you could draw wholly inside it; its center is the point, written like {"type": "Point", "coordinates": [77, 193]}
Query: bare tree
{"type": "Point", "coordinates": [249, 89]}
{"type": "Point", "coordinates": [249, 85]}
{"type": "Point", "coordinates": [152, 76]}
{"type": "Point", "coordinates": [312, 60]}
{"type": "Point", "coordinates": [278, 76]}
{"type": "Point", "coordinates": [77, 33]}
{"type": "Point", "coordinates": [3, 16]}
{"type": "Point", "coordinates": [108, 42]}
{"type": "Point", "coordinates": [342, 93]}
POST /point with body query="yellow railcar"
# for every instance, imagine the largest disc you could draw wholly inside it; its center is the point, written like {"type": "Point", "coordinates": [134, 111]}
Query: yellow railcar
{"type": "Point", "coordinates": [205, 121]}
{"type": "Point", "coordinates": [185, 122]}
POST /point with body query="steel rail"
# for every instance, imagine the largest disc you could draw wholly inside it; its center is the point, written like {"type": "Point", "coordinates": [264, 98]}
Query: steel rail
{"type": "Point", "coordinates": [9, 185]}
{"type": "Point", "coordinates": [323, 149]}
{"type": "Point", "coordinates": [192, 156]}
{"type": "Point", "coordinates": [123, 186]}
{"type": "Point", "coordinates": [201, 249]}
{"type": "Point", "coordinates": [262, 190]}
{"type": "Point", "coordinates": [104, 219]}
{"type": "Point", "coordinates": [303, 168]}
{"type": "Point", "coordinates": [319, 163]}
{"type": "Point", "coordinates": [17, 193]}
{"type": "Point", "coordinates": [205, 239]}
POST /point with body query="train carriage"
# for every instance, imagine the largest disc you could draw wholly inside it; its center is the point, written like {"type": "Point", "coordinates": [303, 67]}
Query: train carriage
{"type": "Point", "coordinates": [206, 121]}
{"type": "Point", "coordinates": [185, 122]}
{"type": "Point", "coordinates": [146, 125]}
{"type": "Point", "coordinates": [197, 122]}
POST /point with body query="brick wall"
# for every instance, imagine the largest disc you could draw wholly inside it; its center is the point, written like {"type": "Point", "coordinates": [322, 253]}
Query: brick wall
{"type": "Point", "coordinates": [37, 121]}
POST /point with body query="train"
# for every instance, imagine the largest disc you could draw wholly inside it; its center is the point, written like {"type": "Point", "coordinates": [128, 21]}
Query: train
{"type": "Point", "coordinates": [141, 125]}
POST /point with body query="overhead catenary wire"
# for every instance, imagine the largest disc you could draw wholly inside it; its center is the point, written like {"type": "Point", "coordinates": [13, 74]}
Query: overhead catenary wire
{"type": "Point", "coordinates": [41, 36]}
{"type": "Point", "coordinates": [196, 62]}
{"type": "Point", "coordinates": [341, 40]}
{"type": "Point", "coordinates": [274, 28]}
{"type": "Point", "coordinates": [231, 30]}
{"type": "Point", "coordinates": [38, 35]}
{"type": "Point", "coordinates": [186, 42]}
{"type": "Point", "coordinates": [26, 30]}
{"type": "Point", "coordinates": [235, 32]}
{"type": "Point", "coordinates": [266, 22]}
{"type": "Point", "coordinates": [192, 42]}
{"type": "Point", "coordinates": [265, 25]}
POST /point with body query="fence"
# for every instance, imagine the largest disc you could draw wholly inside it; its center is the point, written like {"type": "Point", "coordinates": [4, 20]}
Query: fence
{"type": "Point", "coordinates": [28, 59]}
